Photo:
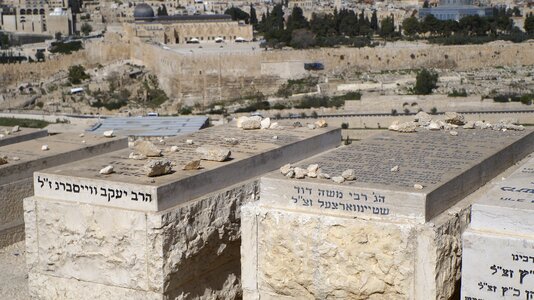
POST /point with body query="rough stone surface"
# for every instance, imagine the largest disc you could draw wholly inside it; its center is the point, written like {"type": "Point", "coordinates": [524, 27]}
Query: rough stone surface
{"type": "Point", "coordinates": [250, 124]}
{"type": "Point", "coordinates": [349, 174]}
{"type": "Point", "coordinates": [157, 167]}
{"type": "Point", "coordinates": [192, 165]}
{"type": "Point", "coordinates": [147, 149]}
{"type": "Point", "coordinates": [107, 170]}
{"type": "Point", "coordinates": [454, 118]}
{"type": "Point", "coordinates": [213, 153]}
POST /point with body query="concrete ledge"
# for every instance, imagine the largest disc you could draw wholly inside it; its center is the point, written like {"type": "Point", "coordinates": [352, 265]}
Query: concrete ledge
{"type": "Point", "coordinates": [25, 134]}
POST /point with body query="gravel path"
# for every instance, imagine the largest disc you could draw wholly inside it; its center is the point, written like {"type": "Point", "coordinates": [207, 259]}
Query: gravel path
{"type": "Point", "coordinates": [13, 274]}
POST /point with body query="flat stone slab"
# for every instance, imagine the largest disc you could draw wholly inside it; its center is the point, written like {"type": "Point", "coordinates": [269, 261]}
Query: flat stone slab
{"type": "Point", "coordinates": [497, 266]}
{"type": "Point", "coordinates": [255, 153]}
{"type": "Point", "coordinates": [511, 202]}
{"type": "Point", "coordinates": [447, 167]}
{"type": "Point", "coordinates": [24, 134]}
{"type": "Point", "coordinates": [63, 148]}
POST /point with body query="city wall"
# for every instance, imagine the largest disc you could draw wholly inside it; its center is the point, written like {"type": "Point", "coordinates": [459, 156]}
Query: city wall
{"type": "Point", "coordinates": [207, 77]}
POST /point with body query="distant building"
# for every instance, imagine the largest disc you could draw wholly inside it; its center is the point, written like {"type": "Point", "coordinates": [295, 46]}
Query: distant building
{"type": "Point", "coordinates": [181, 29]}
{"type": "Point", "coordinates": [37, 20]}
{"type": "Point", "coordinates": [455, 10]}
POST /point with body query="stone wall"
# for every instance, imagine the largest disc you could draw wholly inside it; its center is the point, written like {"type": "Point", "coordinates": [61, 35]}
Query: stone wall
{"type": "Point", "coordinates": [302, 255]}
{"type": "Point", "coordinates": [208, 77]}
{"type": "Point", "coordinates": [185, 252]}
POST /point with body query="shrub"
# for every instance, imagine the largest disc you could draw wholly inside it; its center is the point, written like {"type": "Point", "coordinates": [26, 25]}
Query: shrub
{"type": "Point", "coordinates": [393, 112]}
{"type": "Point", "coordinates": [344, 125]}
{"type": "Point", "coordinates": [458, 93]}
{"type": "Point", "coordinates": [425, 82]}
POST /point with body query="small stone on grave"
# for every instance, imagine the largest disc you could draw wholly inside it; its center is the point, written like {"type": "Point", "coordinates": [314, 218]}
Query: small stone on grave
{"type": "Point", "coordinates": [251, 124]}
{"type": "Point", "coordinates": [174, 148]}
{"type": "Point", "coordinates": [311, 126]}
{"type": "Point", "coordinates": [109, 133]}
{"type": "Point", "coordinates": [454, 118]}
{"type": "Point", "coordinates": [423, 118]}
{"type": "Point", "coordinates": [231, 141]}
{"type": "Point", "coordinates": [417, 186]}
{"type": "Point", "coordinates": [349, 174]}
{"type": "Point", "coordinates": [240, 121]}
{"type": "Point", "coordinates": [45, 148]}
{"type": "Point", "coordinates": [321, 123]}
{"type": "Point", "coordinates": [147, 148]}
{"type": "Point", "coordinates": [300, 173]}
{"type": "Point", "coordinates": [189, 142]}
{"type": "Point", "coordinates": [15, 128]}
{"type": "Point", "coordinates": [285, 169]}
{"type": "Point", "coordinates": [16, 158]}
{"type": "Point", "coordinates": [82, 135]}
{"type": "Point", "coordinates": [274, 125]}
{"type": "Point", "coordinates": [322, 175]}
{"type": "Point", "coordinates": [453, 133]}
{"type": "Point", "coordinates": [290, 174]}
{"type": "Point", "coordinates": [338, 179]}
{"type": "Point", "coordinates": [192, 165]}
{"type": "Point", "coordinates": [275, 137]}
{"type": "Point", "coordinates": [213, 153]}
{"type": "Point", "coordinates": [395, 169]}
{"type": "Point", "coordinates": [265, 123]}
{"type": "Point", "coordinates": [469, 125]}
{"type": "Point", "coordinates": [136, 156]}
{"type": "Point", "coordinates": [107, 170]}
{"type": "Point", "coordinates": [157, 167]}
{"type": "Point", "coordinates": [434, 125]}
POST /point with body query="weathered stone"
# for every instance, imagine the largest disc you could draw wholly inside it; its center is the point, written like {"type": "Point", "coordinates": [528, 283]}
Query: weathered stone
{"type": "Point", "coordinates": [240, 121]}
{"type": "Point", "coordinates": [423, 118]}
{"type": "Point", "coordinates": [469, 125]}
{"type": "Point", "coordinates": [454, 118]}
{"type": "Point", "coordinates": [251, 124]}
{"type": "Point", "coordinates": [321, 123]}
{"type": "Point", "coordinates": [192, 165]}
{"type": "Point", "coordinates": [285, 169]}
{"type": "Point", "coordinates": [265, 123]}
{"type": "Point", "coordinates": [137, 156]}
{"type": "Point", "coordinates": [157, 167]}
{"type": "Point", "coordinates": [434, 125]}
{"type": "Point", "coordinates": [338, 179]}
{"type": "Point", "coordinates": [213, 153]}
{"type": "Point", "coordinates": [45, 148]}
{"type": "Point", "coordinates": [300, 173]}
{"type": "Point", "coordinates": [107, 170]}
{"type": "Point", "coordinates": [15, 128]}
{"type": "Point", "coordinates": [417, 186]}
{"type": "Point", "coordinates": [109, 133]}
{"type": "Point", "coordinates": [147, 148]}
{"type": "Point", "coordinates": [349, 174]}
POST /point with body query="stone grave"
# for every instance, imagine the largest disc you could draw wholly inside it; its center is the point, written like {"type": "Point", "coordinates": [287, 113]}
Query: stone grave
{"type": "Point", "coordinates": [10, 136]}
{"type": "Point", "coordinates": [498, 246]}
{"type": "Point", "coordinates": [393, 233]}
{"type": "Point", "coordinates": [126, 235]}
{"type": "Point", "coordinates": [24, 158]}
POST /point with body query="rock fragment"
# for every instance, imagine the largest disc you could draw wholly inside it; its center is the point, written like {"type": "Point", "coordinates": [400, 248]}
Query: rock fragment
{"type": "Point", "coordinates": [454, 118]}
{"type": "Point", "coordinates": [395, 169]}
{"type": "Point", "coordinates": [417, 186]}
{"type": "Point", "coordinates": [265, 123]}
{"type": "Point", "coordinates": [109, 133]}
{"type": "Point", "coordinates": [322, 175]}
{"type": "Point", "coordinates": [285, 169]}
{"type": "Point", "coordinates": [274, 125]}
{"type": "Point", "coordinates": [192, 165]}
{"type": "Point", "coordinates": [290, 174]}
{"type": "Point", "coordinates": [174, 148]}
{"type": "Point", "coordinates": [157, 167]}
{"type": "Point", "coordinates": [136, 156]}
{"type": "Point", "coordinates": [81, 135]}
{"type": "Point", "coordinates": [423, 118]}
{"type": "Point", "coordinates": [321, 123]}
{"type": "Point", "coordinates": [469, 125]}
{"type": "Point", "coordinates": [15, 128]}
{"type": "Point", "coordinates": [147, 148]}
{"type": "Point", "coordinates": [453, 133]}
{"type": "Point", "coordinates": [434, 125]}
{"type": "Point", "coordinates": [338, 179]}
{"type": "Point", "coordinates": [45, 148]}
{"type": "Point", "coordinates": [106, 170]}
{"type": "Point", "coordinates": [311, 126]}
{"type": "Point", "coordinates": [240, 121]}
{"type": "Point", "coordinates": [231, 141]}
{"type": "Point", "coordinates": [313, 168]}
{"type": "Point", "coordinates": [300, 173]}
{"type": "Point", "coordinates": [403, 127]}
{"type": "Point", "coordinates": [251, 124]}
{"type": "Point", "coordinates": [213, 153]}
{"type": "Point", "coordinates": [349, 174]}
{"type": "Point", "coordinates": [16, 158]}
{"type": "Point", "coordinates": [189, 142]}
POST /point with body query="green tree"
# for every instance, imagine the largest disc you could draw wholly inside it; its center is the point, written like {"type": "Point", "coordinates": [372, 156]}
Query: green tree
{"type": "Point", "coordinates": [529, 24]}
{"type": "Point", "coordinates": [58, 35]}
{"type": "Point", "coordinates": [4, 41]}
{"type": "Point", "coordinates": [162, 10]}
{"type": "Point", "coordinates": [374, 21]}
{"type": "Point", "coordinates": [237, 14]}
{"type": "Point", "coordinates": [302, 39]}
{"type": "Point", "coordinates": [253, 16]}
{"type": "Point", "coordinates": [387, 27]}
{"type": "Point", "coordinates": [425, 4]}
{"type": "Point", "coordinates": [411, 26]}
{"type": "Point", "coordinates": [39, 55]}
{"type": "Point", "coordinates": [425, 82]}
{"type": "Point", "coordinates": [297, 20]}
{"type": "Point", "coordinates": [86, 29]}
{"type": "Point", "coordinates": [77, 74]}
